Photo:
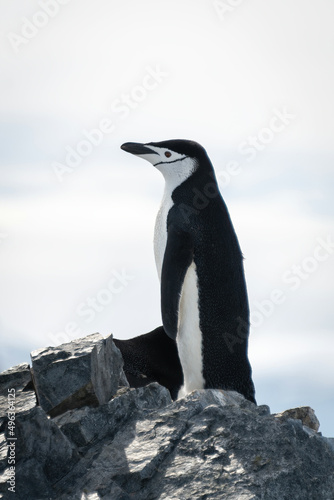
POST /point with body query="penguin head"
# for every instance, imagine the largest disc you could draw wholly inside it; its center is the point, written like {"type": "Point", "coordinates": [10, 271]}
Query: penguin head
{"type": "Point", "coordinates": [176, 159]}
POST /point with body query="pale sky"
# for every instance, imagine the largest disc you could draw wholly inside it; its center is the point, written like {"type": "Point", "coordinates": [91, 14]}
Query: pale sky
{"type": "Point", "coordinates": [252, 81]}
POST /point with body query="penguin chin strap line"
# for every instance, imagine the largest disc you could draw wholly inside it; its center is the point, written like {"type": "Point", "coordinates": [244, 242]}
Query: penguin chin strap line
{"type": "Point", "coordinates": [168, 162]}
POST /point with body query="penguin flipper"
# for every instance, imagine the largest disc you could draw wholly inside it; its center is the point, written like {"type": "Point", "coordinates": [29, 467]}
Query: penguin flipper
{"type": "Point", "coordinates": [178, 257]}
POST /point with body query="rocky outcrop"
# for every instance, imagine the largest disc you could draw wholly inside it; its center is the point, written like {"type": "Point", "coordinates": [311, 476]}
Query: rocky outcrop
{"type": "Point", "coordinates": [120, 443]}
{"type": "Point", "coordinates": [84, 372]}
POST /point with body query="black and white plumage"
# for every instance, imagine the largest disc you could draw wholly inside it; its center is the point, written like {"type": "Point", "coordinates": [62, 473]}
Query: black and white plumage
{"type": "Point", "coordinates": [204, 300]}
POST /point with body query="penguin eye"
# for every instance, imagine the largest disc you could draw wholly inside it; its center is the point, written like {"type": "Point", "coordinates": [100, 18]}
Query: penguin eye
{"type": "Point", "coordinates": [168, 154]}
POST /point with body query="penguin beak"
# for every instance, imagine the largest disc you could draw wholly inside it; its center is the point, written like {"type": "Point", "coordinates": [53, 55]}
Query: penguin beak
{"type": "Point", "coordinates": [138, 149]}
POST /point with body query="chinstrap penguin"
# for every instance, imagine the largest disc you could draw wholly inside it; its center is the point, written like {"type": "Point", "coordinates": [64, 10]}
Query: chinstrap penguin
{"type": "Point", "coordinates": [204, 302]}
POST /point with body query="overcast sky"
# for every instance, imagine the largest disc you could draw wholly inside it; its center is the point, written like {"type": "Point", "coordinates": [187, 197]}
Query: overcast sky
{"type": "Point", "coordinates": [252, 81]}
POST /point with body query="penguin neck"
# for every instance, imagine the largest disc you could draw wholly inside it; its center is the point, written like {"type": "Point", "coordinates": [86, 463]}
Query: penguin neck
{"type": "Point", "coordinates": [176, 173]}
{"type": "Point", "coordinates": [203, 180]}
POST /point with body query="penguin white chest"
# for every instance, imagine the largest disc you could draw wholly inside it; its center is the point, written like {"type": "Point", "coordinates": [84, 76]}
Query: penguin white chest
{"type": "Point", "coordinates": [189, 335]}
{"type": "Point", "coordinates": [160, 230]}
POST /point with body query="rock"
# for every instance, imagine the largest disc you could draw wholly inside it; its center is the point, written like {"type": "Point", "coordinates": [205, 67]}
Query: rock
{"type": "Point", "coordinates": [43, 455]}
{"type": "Point", "coordinates": [331, 442]}
{"type": "Point", "coordinates": [303, 413]}
{"type": "Point", "coordinates": [209, 444]}
{"type": "Point", "coordinates": [37, 445]}
{"type": "Point", "coordinates": [84, 372]}
{"type": "Point", "coordinates": [16, 387]}
{"type": "Point", "coordinates": [3, 451]}
{"type": "Point", "coordinates": [16, 396]}
{"type": "Point", "coordinates": [90, 439]}
{"type": "Point", "coordinates": [89, 425]}
{"type": "Point", "coordinates": [18, 377]}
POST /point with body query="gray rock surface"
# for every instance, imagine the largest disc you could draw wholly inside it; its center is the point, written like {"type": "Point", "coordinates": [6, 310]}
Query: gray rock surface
{"type": "Point", "coordinates": [211, 444]}
{"type": "Point", "coordinates": [18, 377]}
{"type": "Point", "coordinates": [140, 445]}
{"type": "Point", "coordinates": [303, 413]}
{"type": "Point", "coordinates": [86, 371]}
{"type": "Point", "coordinates": [42, 452]}
{"type": "Point", "coordinates": [17, 382]}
